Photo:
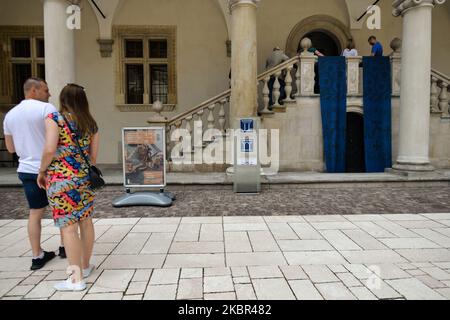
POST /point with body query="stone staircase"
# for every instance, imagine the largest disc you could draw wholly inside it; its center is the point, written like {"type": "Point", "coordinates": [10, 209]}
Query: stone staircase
{"type": "Point", "coordinates": [211, 118]}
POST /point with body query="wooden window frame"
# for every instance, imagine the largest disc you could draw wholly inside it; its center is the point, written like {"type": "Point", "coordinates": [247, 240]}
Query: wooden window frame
{"type": "Point", "coordinates": [144, 33]}
{"type": "Point", "coordinates": [7, 33]}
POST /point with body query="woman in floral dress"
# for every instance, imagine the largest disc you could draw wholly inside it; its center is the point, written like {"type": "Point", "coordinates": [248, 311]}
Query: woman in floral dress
{"type": "Point", "coordinates": [64, 174]}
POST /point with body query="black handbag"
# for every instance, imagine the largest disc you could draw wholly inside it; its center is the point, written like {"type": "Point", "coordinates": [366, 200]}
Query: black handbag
{"type": "Point", "coordinates": [95, 175]}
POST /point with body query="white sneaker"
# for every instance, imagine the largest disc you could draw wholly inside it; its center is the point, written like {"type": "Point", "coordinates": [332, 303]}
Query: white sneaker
{"type": "Point", "coordinates": [87, 272]}
{"type": "Point", "coordinates": [68, 285]}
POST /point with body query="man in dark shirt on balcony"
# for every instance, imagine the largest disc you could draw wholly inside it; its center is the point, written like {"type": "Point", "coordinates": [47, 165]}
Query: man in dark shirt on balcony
{"type": "Point", "coordinates": [377, 48]}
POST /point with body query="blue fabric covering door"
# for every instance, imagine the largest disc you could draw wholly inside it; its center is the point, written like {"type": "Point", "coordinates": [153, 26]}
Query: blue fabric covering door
{"type": "Point", "coordinates": [377, 113]}
{"type": "Point", "coordinates": [333, 104]}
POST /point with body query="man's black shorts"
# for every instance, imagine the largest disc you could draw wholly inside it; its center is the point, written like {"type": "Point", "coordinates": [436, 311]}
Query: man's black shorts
{"type": "Point", "coordinates": [36, 197]}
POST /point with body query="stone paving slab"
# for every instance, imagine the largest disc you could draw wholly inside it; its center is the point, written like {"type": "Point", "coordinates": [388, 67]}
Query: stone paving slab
{"type": "Point", "coordinates": [305, 290]}
{"type": "Point", "coordinates": [273, 289]}
{"type": "Point", "coordinates": [265, 272]}
{"type": "Point", "coordinates": [112, 281]}
{"type": "Point", "coordinates": [246, 292]}
{"type": "Point", "coordinates": [317, 257]}
{"type": "Point", "coordinates": [348, 257]}
{"type": "Point", "coordinates": [190, 289]}
{"type": "Point", "coordinates": [263, 241]}
{"type": "Point", "coordinates": [164, 292]}
{"type": "Point", "coordinates": [335, 291]}
{"type": "Point", "coordinates": [255, 259]}
{"type": "Point", "coordinates": [165, 276]}
{"type": "Point", "coordinates": [194, 260]}
{"type": "Point", "coordinates": [211, 272]}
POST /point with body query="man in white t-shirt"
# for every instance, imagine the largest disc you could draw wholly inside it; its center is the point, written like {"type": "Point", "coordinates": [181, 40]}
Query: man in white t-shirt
{"type": "Point", "coordinates": [24, 128]}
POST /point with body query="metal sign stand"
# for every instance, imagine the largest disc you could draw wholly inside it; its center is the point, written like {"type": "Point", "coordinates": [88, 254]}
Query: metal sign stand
{"type": "Point", "coordinates": [144, 198]}
{"type": "Point", "coordinates": [247, 167]}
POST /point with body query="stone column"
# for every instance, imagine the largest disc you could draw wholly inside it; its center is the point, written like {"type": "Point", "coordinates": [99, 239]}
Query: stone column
{"type": "Point", "coordinates": [415, 84]}
{"type": "Point", "coordinates": [243, 58]}
{"type": "Point", "coordinates": [59, 48]}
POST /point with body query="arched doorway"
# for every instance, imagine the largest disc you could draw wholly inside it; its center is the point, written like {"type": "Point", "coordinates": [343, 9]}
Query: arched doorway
{"type": "Point", "coordinates": [355, 154]}
{"type": "Point", "coordinates": [327, 44]}
{"type": "Point", "coordinates": [324, 29]}
{"type": "Point", "coordinates": [324, 43]}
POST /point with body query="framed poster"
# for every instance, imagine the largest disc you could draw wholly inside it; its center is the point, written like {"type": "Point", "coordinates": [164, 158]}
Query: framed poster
{"type": "Point", "coordinates": [144, 155]}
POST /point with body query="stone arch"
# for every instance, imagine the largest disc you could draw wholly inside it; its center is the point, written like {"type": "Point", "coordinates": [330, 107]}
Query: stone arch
{"type": "Point", "coordinates": [323, 23]}
{"type": "Point", "coordinates": [112, 7]}
{"type": "Point", "coordinates": [223, 4]}
{"type": "Point", "coordinates": [109, 9]}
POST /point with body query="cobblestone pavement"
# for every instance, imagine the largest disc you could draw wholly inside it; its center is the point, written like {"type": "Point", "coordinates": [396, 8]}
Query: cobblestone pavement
{"type": "Point", "coordinates": [275, 200]}
{"type": "Point", "coordinates": [403, 256]}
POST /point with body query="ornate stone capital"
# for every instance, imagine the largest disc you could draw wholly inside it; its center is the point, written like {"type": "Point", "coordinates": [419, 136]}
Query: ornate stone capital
{"type": "Point", "coordinates": [106, 47]}
{"type": "Point", "coordinates": [233, 3]}
{"type": "Point", "coordinates": [402, 6]}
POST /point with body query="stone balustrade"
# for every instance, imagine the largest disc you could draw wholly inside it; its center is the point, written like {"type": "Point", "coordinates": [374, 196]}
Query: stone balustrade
{"type": "Point", "coordinates": [440, 98]}
{"type": "Point", "coordinates": [287, 72]}
{"type": "Point", "coordinates": [212, 114]}
{"type": "Point", "coordinates": [301, 81]}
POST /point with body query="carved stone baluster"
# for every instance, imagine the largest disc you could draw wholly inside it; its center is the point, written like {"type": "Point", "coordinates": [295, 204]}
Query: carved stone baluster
{"type": "Point", "coordinates": [199, 115]}
{"type": "Point", "coordinates": [198, 138]}
{"type": "Point", "coordinates": [265, 93]}
{"type": "Point", "coordinates": [222, 119]}
{"type": "Point", "coordinates": [228, 111]}
{"type": "Point", "coordinates": [177, 127]}
{"type": "Point", "coordinates": [199, 128]}
{"type": "Point", "coordinates": [298, 80]}
{"type": "Point", "coordinates": [288, 87]}
{"type": "Point", "coordinates": [396, 62]}
{"type": "Point", "coordinates": [188, 128]}
{"type": "Point", "coordinates": [211, 119]}
{"type": "Point", "coordinates": [443, 99]}
{"type": "Point", "coordinates": [168, 142]}
{"type": "Point", "coordinates": [434, 95]}
{"type": "Point", "coordinates": [188, 125]}
{"type": "Point", "coordinates": [276, 90]}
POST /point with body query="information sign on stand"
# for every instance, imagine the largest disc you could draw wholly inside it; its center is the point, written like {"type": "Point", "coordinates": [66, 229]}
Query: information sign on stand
{"type": "Point", "coordinates": [144, 156]}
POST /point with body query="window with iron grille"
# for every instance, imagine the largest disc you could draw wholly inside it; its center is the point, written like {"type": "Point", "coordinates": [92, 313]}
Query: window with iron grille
{"type": "Point", "coordinates": [134, 48]}
{"type": "Point", "coordinates": [158, 83]}
{"type": "Point", "coordinates": [147, 65]}
{"type": "Point", "coordinates": [158, 48]}
{"type": "Point", "coordinates": [136, 64]}
{"type": "Point", "coordinates": [22, 55]}
{"type": "Point", "coordinates": [21, 72]}
{"type": "Point", "coordinates": [25, 58]}
{"type": "Point", "coordinates": [135, 83]}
